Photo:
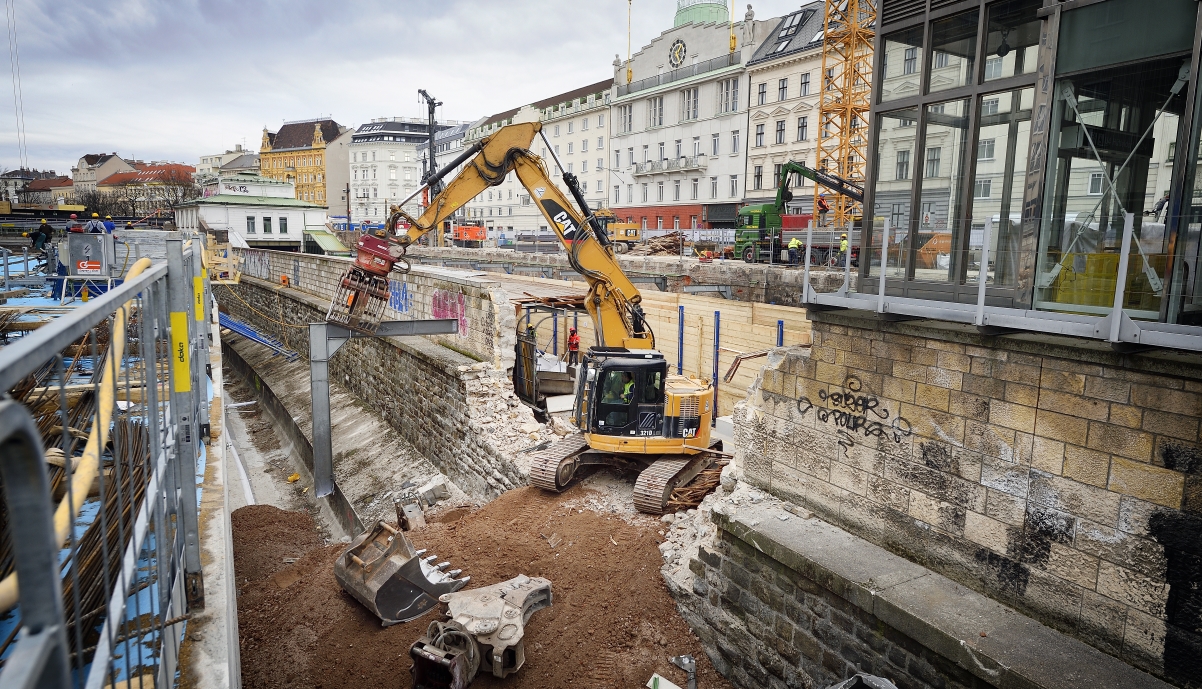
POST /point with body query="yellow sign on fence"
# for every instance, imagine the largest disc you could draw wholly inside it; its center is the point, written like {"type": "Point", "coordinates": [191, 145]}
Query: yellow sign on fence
{"type": "Point", "coordinates": [198, 296]}
{"type": "Point", "coordinates": [181, 370]}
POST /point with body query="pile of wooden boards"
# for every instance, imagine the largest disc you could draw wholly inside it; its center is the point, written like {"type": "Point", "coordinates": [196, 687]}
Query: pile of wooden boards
{"type": "Point", "coordinates": [666, 245]}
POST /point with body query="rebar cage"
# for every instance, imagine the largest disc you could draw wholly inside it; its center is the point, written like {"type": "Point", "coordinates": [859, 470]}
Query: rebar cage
{"type": "Point", "coordinates": [100, 458]}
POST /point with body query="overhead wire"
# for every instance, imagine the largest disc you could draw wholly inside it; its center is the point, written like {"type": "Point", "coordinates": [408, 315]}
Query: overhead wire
{"type": "Point", "coordinates": [14, 57]}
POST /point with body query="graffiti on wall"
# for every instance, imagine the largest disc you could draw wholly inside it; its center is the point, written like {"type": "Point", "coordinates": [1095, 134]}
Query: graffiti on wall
{"type": "Point", "coordinates": [399, 299]}
{"type": "Point", "coordinates": [450, 305]}
{"type": "Point", "coordinates": [256, 264]}
{"type": "Point", "coordinates": [853, 410]}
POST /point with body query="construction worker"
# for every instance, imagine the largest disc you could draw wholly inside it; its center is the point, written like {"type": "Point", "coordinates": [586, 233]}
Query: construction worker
{"type": "Point", "coordinates": [73, 224]}
{"type": "Point", "coordinates": [823, 209]}
{"type": "Point", "coordinates": [109, 225]}
{"type": "Point", "coordinates": [129, 224]}
{"type": "Point", "coordinates": [573, 347]}
{"type": "Point", "coordinates": [794, 251]}
{"type": "Point", "coordinates": [94, 226]}
{"type": "Point", "coordinates": [39, 236]}
{"type": "Point", "coordinates": [627, 386]}
{"type": "Point", "coordinates": [842, 249]}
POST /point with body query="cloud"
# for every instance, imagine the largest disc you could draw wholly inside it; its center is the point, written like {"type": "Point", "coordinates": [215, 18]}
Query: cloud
{"type": "Point", "coordinates": [177, 79]}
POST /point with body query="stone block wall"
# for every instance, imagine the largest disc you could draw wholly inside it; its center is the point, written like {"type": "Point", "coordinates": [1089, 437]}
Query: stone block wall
{"type": "Point", "coordinates": [448, 406]}
{"type": "Point", "coordinates": [1062, 480]}
{"type": "Point", "coordinates": [487, 325]}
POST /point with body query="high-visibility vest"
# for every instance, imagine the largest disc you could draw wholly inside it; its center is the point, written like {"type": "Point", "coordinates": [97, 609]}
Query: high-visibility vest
{"type": "Point", "coordinates": [628, 390]}
{"type": "Point", "coordinates": [795, 243]}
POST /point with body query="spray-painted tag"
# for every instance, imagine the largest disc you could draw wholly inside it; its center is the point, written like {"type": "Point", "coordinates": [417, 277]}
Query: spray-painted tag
{"type": "Point", "coordinates": [181, 369]}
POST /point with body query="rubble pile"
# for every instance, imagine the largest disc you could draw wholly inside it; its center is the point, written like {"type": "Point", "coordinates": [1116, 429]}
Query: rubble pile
{"type": "Point", "coordinates": [496, 413]}
{"type": "Point", "coordinates": [666, 245]}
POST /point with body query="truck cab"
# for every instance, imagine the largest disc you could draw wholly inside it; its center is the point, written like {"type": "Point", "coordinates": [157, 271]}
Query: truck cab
{"type": "Point", "coordinates": [758, 233]}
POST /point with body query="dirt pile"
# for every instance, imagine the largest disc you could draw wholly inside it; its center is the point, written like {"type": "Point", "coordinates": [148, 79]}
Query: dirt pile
{"type": "Point", "coordinates": [612, 624]}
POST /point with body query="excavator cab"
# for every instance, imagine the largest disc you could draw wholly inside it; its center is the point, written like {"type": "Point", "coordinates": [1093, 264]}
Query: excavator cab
{"type": "Point", "coordinates": [627, 393]}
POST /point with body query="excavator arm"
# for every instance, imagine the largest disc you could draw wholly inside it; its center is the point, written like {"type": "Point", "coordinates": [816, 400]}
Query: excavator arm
{"type": "Point", "coordinates": [833, 182]}
{"type": "Point", "coordinates": [613, 300]}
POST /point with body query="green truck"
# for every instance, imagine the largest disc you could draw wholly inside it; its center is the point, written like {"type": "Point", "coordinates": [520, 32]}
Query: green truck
{"type": "Point", "coordinates": [760, 234]}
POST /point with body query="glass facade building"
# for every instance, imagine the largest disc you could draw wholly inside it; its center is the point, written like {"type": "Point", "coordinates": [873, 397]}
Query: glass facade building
{"type": "Point", "coordinates": [1016, 145]}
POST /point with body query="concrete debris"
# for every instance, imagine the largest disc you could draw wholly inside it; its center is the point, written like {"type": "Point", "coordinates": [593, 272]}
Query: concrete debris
{"type": "Point", "coordinates": [434, 490]}
{"type": "Point", "coordinates": [659, 682]}
{"type": "Point", "coordinates": [499, 419]}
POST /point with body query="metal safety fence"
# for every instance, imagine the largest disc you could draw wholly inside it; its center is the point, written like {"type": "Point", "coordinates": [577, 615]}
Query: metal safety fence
{"type": "Point", "coordinates": [101, 425]}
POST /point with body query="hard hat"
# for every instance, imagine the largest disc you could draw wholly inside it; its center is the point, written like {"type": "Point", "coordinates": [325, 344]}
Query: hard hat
{"type": "Point", "coordinates": [72, 216]}
{"type": "Point", "coordinates": [95, 215]}
{"type": "Point", "coordinates": [572, 329]}
{"type": "Point", "coordinates": [108, 217]}
{"type": "Point", "coordinates": [43, 221]}
{"type": "Point", "coordinates": [843, 236]}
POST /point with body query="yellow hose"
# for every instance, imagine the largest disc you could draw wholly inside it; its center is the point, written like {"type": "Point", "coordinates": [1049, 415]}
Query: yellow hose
{"type": "Point", "coordinates": [89, 463]}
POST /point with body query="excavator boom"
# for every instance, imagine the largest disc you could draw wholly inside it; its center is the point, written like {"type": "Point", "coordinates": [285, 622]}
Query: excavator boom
{"type": "Point", "coordinates": [613, 299]}
{"type": "Point", "coordinates": [833, 182]}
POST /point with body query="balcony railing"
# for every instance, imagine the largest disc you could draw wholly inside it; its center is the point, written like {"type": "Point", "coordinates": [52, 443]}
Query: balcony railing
{"type": "Point", "coordinates": [678, 74]}
{"type": "Point", "coordinates": [682, 164]}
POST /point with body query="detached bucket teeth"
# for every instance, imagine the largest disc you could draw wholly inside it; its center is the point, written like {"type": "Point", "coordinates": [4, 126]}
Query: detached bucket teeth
{"type": "Point", "coordinates": [384, 572]}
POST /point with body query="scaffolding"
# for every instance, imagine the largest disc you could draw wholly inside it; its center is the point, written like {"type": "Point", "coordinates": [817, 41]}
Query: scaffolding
{"type": "Point", "coordinates": [847, 39]}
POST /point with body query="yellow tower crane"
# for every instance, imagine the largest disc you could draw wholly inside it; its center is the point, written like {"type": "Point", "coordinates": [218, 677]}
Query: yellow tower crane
{"type": "Point", "coordinates": [848, 33]}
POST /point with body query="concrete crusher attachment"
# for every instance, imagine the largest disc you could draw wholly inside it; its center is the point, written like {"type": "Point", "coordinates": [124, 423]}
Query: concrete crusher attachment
{"type": "Point", "coordinates": [384, 572]}
{"type": "Point", "coordinates": [659, 475]}
{"type": "Point", "coordinates": [362, 291]}
{"type": "Point", "coordinates": [484, 631]}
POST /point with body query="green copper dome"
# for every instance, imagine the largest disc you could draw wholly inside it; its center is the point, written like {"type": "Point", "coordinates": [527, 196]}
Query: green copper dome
{"type": "Point", "coordinates": [701, 11]}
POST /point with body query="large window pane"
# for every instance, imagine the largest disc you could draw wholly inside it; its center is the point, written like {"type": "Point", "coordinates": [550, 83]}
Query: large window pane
{"type": "Point", "coordinates": [1003, 138]}
{"type": "Point", "coordinates": [896, 136]}
{"type": "Point", "coordinates": [937, 236]}
{"type": "Point", "coordinates": [1112, 132]}
{"type": "Point", "coordinates": [900, 64]}
{"type": "Point", "coordinates": [1013, 38]}
{"type": "Point", "coordinates": [954, 46]}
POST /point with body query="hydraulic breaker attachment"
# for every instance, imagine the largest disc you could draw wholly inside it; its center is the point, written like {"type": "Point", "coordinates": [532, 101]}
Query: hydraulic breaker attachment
{"type": "Point", "coordinates": [384, 572]}
{"type": "Point", "coordinates": [485, 629]}
{"type": "Point", "coordinates": [362, 291]}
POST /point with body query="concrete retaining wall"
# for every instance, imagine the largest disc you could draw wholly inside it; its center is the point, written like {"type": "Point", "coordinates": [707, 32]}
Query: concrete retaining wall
{"type": "Point", "coordinates": [487, 329]}
{"type": "Point", "coordinates": [756, 282]}
{"type": "Point", "coordinates": [1060, 479]}
{"type": "Point", "coordinates": [782, 600]}
{"type": "Point", "coordinates": [447, 405]}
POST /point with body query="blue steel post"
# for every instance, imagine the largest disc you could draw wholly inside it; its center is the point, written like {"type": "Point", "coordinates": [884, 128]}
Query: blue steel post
{"type": "Point", "coordinates": [554, 333]}
{"type": "Point", "coordinates": [680, 342]}
{"type": "Point", "coordinates": [717, 341]}
{"type": "Point", "coordinates": [780, 333]}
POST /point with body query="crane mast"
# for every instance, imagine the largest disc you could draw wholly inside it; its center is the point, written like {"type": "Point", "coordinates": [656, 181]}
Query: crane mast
{"type": "Point", "coordinates": [848, 33]}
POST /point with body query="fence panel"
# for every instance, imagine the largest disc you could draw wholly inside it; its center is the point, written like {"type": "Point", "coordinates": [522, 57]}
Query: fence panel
{"type": "Point", "coordinates": [107, 402]}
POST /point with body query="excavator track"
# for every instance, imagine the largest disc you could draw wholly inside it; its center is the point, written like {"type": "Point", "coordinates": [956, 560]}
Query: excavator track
{"type": "Point", "coordinates": [553, 468]}
{"type": "Point", "coordinates": [655, 484]}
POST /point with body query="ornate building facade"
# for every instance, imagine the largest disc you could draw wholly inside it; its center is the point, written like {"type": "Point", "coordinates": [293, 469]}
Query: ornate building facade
{"type": "Point", "coordinates": [297, 153]}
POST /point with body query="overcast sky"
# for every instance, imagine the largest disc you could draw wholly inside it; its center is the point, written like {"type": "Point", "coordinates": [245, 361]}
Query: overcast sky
{"type": "Point", "coordinates": [177, 79]}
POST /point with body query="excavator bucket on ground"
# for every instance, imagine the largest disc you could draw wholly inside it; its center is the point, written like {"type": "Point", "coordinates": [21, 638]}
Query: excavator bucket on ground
{"type": "Point", "coordinates": [384, 572]}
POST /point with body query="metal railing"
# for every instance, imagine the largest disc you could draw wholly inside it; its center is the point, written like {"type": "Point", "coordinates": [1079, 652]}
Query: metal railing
{"type": "Point", "coordinates": [100, 455]}
{"type": "Point", "coordinates": [681, 73]}
{"type": "Point", "coordinates": [1105, 307]}
{"type": "Point", "coordinates": [670, 164]}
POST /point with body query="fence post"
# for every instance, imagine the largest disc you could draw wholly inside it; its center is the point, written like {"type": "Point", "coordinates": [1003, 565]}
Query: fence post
{"type": "Point", "coordinates": [40, 657]}
{"type": "Point", "coordinates": [780, 333]}
{"type": "Point", "coordinates": [717, 343]}
{"type": "Point", "coordinates": [984, 270]}
{"type": "Point", "coordinates": [554, 333]}
{"type": "Point", "coordinates": [202, 338]}
{"type": "Point", "coordinates": [180, 307]}
{"type": "Point", "coordinates": [680, 341]}
{"type": "Point", "coordinates": [880, 296]}
{"type": "Point", "coordinates": [805, 287]}
{"type": "Point", "coordinates": [1116, 314]}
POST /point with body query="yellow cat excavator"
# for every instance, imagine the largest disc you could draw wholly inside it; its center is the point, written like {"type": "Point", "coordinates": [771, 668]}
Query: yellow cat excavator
{"type": "Point", "coordinates": [631, 412]}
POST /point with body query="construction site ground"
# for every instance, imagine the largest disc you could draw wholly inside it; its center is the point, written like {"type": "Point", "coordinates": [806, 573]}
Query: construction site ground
{"type": "Point", "coordinates": [612, 624]}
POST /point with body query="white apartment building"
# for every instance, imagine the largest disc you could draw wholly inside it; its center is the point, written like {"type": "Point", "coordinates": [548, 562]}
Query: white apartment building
{"type": "Point", "coordinates": [784, 77]}
{"type": "Point", "coordinates": [575, 124]}
{"type": "Point", "coordinates": [384, 165]}
{"type": "Point", "coordinates": [679, 128]}
{"type": "Point", "coordinates": [212, 164]}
